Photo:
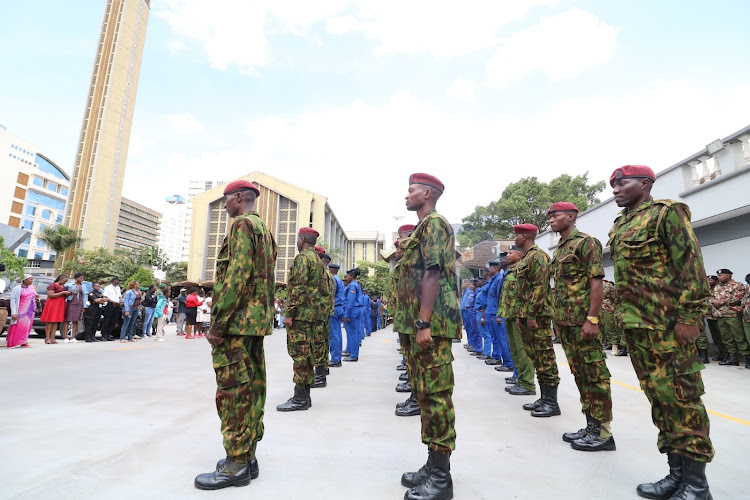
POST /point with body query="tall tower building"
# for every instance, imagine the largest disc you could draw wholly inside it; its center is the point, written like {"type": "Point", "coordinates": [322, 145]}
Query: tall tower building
{"type": "Point", "coordinates": [96, 188]}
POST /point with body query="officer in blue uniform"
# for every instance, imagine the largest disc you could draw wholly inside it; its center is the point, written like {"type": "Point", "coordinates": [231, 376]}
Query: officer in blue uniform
{"type": "Point", "coordinates": [353, 315]}
{"type": "Point", "coordinates": [338, 316]}
{"type": "Point", "coordinates": [500, 347]}
{"type": "Point", "coordinates": [366, 324]}
{"type": "Point", "coordinates": [467, 314]}
{"type": "Point", "coordinates": [378, 325]}
{"type": "Point", "coordinates": [483, 350]}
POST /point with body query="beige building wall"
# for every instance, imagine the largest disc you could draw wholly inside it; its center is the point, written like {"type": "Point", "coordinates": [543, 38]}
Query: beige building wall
{"type": "Point", "coordinates": [282, 206]}
{"type": "Point", "coordinates": [105, 134]}
{"type": "Point", "coordinates": [364, 245]}
{"type": "Point", "coordinates": [137, 226]}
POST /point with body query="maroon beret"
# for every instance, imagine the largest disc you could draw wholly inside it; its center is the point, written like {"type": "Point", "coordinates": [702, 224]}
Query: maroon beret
{"type": "Point", "coordinates": [396, 243]}
{"type": "Point", "coordinates": [309, 231]}
{"type": "Point", "coordinates": [562, 206]}
{"type": "Point", "coordinates": [632, 171]}
{"type": "Point", "coordinates": [525, 229]}
{"type": "Point", "coordinates": [241, 185]}
{"type": "Point", "coordinates": [428, 180]}
{"type": "Point", "coordinates": [406, 228]}
{"type": "Point", "coordinates": [319, 249]}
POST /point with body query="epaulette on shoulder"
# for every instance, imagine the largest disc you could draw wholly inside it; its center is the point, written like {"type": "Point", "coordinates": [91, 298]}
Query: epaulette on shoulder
{"type": "Point", "coordinates": [673, 203]}
{"type": "Point", "coordinates": [251, 220]}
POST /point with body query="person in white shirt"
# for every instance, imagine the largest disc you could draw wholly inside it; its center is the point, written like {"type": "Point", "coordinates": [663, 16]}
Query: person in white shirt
{"type": "Point", "coordinates": [113, 294]}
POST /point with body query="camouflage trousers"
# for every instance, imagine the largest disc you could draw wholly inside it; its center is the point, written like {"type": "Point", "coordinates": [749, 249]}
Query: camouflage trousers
{"type": "Point", "coordinates": [431, 374]}
{"type": "Point", "coordinates": [406, 353]}
{"type": "Point", "coordinates": [589, 369]}
{"type": "Point", "coordinates": [524, 366]}
{"type": "Point", "coordinates": [299, 338]}
{"type": "Point", "coordinates": [713, 327]}
{"type": "Point", "coordinates": [320, 343]}
{"type": "Point", "coordinates": [240, 367]}
{"type": "Point", "coordinates": [611, 329]}
{"type": "Point", "coordinates": [733, 335]}
{"type": "Point", "coordinates": [539, 348]}
{"type": "Point", "coordinates": [669, 374]}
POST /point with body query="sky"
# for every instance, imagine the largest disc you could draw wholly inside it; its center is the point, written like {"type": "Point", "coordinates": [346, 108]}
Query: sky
{"type": "Point", "coordinates": [346, 98]}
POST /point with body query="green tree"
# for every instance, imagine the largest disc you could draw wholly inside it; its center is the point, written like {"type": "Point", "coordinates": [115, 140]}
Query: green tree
{"type": "Point", "coordinates": [127, 262]}
{"type": "Point", "coordinates": [176, 271]}
{"type": "Point", "coordinates": [14, 264]}
{"type": "Point", "coordinates": [526, 201]}
{"type": "Point", "coordinates": [379, 281]}
{"type": "Point", "coordinates": [153, 257]}
{"type": "Point", "coordinates": [143, 276]}
{"type": "Point", "coordinates": [98, 264]}
{"type": "Point", "coordinates": [59, 238]}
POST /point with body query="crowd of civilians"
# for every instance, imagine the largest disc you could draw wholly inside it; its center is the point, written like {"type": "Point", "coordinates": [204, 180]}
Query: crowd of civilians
{"type": "Point", "coordinates": [139, 312]}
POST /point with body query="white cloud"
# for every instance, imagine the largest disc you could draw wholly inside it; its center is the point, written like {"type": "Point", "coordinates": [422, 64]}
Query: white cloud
{"type": "Point", "coordinates": [185, 123]}
{"type": "Point", "coordinates": [560, 46]}
{"type": "Point", "coordinates": [462, 89]}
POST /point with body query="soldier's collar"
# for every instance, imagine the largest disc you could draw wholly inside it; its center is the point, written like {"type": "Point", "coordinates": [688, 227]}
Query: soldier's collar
{"type": "Point", "coordinates": [572, 234]}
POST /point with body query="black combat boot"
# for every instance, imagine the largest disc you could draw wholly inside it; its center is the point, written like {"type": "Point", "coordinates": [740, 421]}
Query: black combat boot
{"type": "Point", "coordinates": [438, 485]}
{"type": "Point", "coordinates": [569, 437]}
{"type": "Point", "coordinates": [664, 488]}
{"type": "Point", "coordinates": [694, 485]}
{"type": "Point", "coordinates": [320, 377]}
{"type": "Point", "coordinates": [300, 400]}
{"type": "Point", "coordinates": [412, 479]}
{"type": "Point", "coordinates": [622, 351]}
{"type": "Point", "coordinates": [519, 390]}
{"type": "Point", "coordinates": [254, 469]}
{"type": "Point", "coordinates": [719, 356]}
{"type": "Point", "coordinates": [549, 407]}
{"type": "Point", "coordinates": [403, 377]}
{"type": "Point", "coordinates": [747, 362]}
{"type": "Point", "coordinates": [408, 408]}
{"type": "Point", "coordinates": [227, 473]}
{"type": "Point", "coordinates": [703, 354]}
{"type": "Point", "coordinates": [403, 387]}
{"type": "Point", "coordinates": [593, 440]}
{"type": "Point", "coordinates": [730, 360]}
{"type": "Point", "coordinates": [536, 404]}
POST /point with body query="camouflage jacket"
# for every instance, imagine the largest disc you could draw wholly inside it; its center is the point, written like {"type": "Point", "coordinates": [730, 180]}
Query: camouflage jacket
{"type": "Point", "coordinates": [245, 283]}
{"type": "Point", "coordinates": [509, 307]}
{"type": "Point", "coordinates": [577, 259]}
{"type": "Point", "coordinates": [396, 311]}
{"type": "Point", "coordinates": [609, 301]}
{"type": "Point", "coordinates": [711, 313]}
{"type": "Point", "coordinates": [326, 293]}
{"type": "Point", "coordinates": [303, 301]}
{"type": "Point", "coordinates": [431, 244]}
{"type": "Point", "coordinates": [730, 294]}
{"type": "Point", "coordinates": [534, 294]}
{"type": "Point", "coordinates": [746, 305]}
{"type": "Point", "coordinates": [659, 271]}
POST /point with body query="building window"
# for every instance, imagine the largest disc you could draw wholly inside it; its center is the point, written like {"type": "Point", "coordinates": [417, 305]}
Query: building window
{"type": "Point", "coordinates": [38, 182]}
{"type": "Point", "coordinates": [28, 224]}
{"type": "Point", "coordinates": [46, 200]}
{"type": "Point", "coordinates": [58, 219]}
{"type": "Point", "coordinates": [22, 252]}
{"type": "Point", "coordinates": [31, 210]}
{"type": "Point", "coordinates": [64, 191]}
{"type": "Point", "coordinates": [38, 255]}
{"type": "Point", "coordinates": [46, 214]}
{"type": "Point", "coordinates": [52, 186]}
{"type": "Point", "coordinates": [27, 240]}
{"type": "Point", "coordinates": [52, 256]}
{"type": "Point", "coordinates": [46, 166]}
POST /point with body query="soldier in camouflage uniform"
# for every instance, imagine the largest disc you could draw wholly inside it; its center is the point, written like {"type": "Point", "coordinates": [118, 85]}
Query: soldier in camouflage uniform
{"type": "Point", "coordinates": [321, 337]}
{"type": "Point", "coordinates": [746, 314]}
{"type": "Point", "coordinates": [241, 316]}
{"type": "Point", "coordinates": [727, 303]}
{"type": "Point", "coordinates": [510, 308]}
{"type": "Point", "coordinates": [428, 293]}
{"type": "Point", "coordinates": [662, 287]}
{"type": "Point", "coordinates": [535, 317]}
{"type": "Point", "coordinates": [301, 317]}
{"type": "Point", "coordinates": [713, 326]}
{"type": "Point", "coordinates": [612, 332]}
{"type": "Point", "coordinates": [578, 271]}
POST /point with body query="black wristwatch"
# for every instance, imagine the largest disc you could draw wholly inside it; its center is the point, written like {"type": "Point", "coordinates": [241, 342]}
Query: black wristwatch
{"type": "Point", "coordinates": [421, 325]}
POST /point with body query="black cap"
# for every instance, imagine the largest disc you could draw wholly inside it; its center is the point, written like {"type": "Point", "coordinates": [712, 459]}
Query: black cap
{"type": "Point", "coordinates": [115, 278]}
{"type": "Point", "coordinates": [325, 256]}
{"type": "Point", "coordinates": [354, 272]}
{"type": "Point", "coordinates": [334, 266]}
{"type": "Point", "coordinates": [494, 263]}
{"type": "Point", "coordinates": [516, 248]}
{"type": "Point", "coordinates": [724, 271]}
{"type": "Point", "coordinates": [713, 277]}
{"type": "Point", "coordinates": [503, 254]}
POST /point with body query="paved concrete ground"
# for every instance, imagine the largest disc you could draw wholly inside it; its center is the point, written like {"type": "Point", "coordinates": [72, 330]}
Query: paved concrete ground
{"type": "Point", "coordinates": [138, 421]}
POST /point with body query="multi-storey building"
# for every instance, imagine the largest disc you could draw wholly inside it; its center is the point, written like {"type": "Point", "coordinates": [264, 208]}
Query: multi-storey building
{"type": "Point", "coordinates": [137, 226]}
{"type": "Point", "coordinates": [194, 188]}
{"type": "Point", "coordinates": [172, 236]}
{"type": "Point", "coordinates": [96, 189]}
{"type": "Point", "coordinates": [364, 245]}
{"type": "Point", "coordinates": [33, 194]}
{"type": "Point", "coordinates": [284, 207]}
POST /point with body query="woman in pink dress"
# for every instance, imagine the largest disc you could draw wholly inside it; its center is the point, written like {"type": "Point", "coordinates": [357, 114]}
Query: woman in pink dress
{"type": "Point", "coordinates": [22, 308]}
{"type": "Point", "coordinates": [54, 309]}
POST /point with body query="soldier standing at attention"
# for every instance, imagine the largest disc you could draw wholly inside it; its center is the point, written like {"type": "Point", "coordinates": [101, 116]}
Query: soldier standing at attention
{"type": "Point", "coordinates": [428, 292]}
{"type": "Point", "coordinates": [727, 303]}
{"type": "Point", "coordinates": [713, 326]}
{"type": "Point", "coordinates": [352, 315]}
{"type": "Point", "coordinates": [483, 349]}
{"type": "Point", "coordinates": [578, 271]}
{"type": "Point", "coordinates": [510, 308]}
{"type": "Point", "coordinates": [662, 290]}
{"type": "Point", "coordinates": [534, 292]}
{"type": "Point", "coordinates": [607, 317]}
{"type": "Point", "coordinates": [242, 314]}
{"type": "Point", "coordinates": [320, 345]}
{"type": "Point", "coordinates": [300, 317]}
{"type": "Point", "coordinates": [337, 317]}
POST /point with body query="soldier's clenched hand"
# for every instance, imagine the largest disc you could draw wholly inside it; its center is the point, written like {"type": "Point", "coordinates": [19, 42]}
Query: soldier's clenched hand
{"type": "Point", "coordinates": [213, 336]}
{"type": "Point", "coordinates": [424, 338]}
{"type": "Point", "coordinates": [686, 334]}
